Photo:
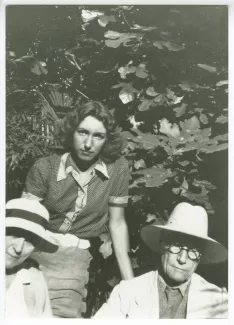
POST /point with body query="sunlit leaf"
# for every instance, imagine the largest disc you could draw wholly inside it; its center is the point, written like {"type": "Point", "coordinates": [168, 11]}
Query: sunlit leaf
{"type": "Point", "coordinates": [191, 125]}
{"type": "Point", "coordinates": [151, 92]}
{"type": "Point", "coordinates": [153, 177]}
{"type": "Point", "coordinates": [105, 20]}
{"type": "Point", "coordinates": [139, 164]}
{"type": "Point", "coordinates": [145, 105]}
{"type": "Point", "coordinates": [127, 93]}
{"type": "Point", "coordinates": [150, 217]}
{"type": "Point", "coordinates": [115, 38]}
{"type": "Point", "coordinates": [204, 119]}
{"type": "Point", "coordinates": [222, 119]}
{"type": "Point", "coordinates": [207, 67]}
{"type": "Point", "coordinates": [88, 15]}
{"type": "Point", "coordinates": [126, 96]}
{"type": "Point", "coordinates": [12, 53]}
{"type": "Point", "coordinates": [148, 140]}
{"type": "Point", "coordinates": [112, 34]}
{"type": "Point", "coordinates": [113, 43]}
{"type": "Point", "coordinates": [105, 249]}
{"type": "Point", "coordinates": [126, 70]}
{"type": "Point", "coordinates": [160, 99]}
{"type": "Point", "coordinates": [180, 110]}
{"type": "Point", "coordinates": [204, 183]}
{"type": "Point", "coordinates": [173, 99]}
{"type": "Point", "coordinates": [184, 186]}
{"type": "Point", "coordinates": [136, 198]}
{"type": "Point", "coordinates": [134, 263]}
{"type": "Point", "coordinates": [133, 122]}
{"type": "Point", "coordinates": [167, 128]}
{"type": "Point", "coordinates": [168, 45]}
{"type": "Point", "coordinates": [184, 163]}
{"type": "Point", "coordinates": [141, 72]}
{"type": "Point", "coordinates": [144, 28]}
{"type": "Point", "coordinates": [221, 83]}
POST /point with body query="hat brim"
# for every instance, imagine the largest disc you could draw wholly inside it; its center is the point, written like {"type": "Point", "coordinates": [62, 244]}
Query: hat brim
{"type": "Point", "coordinates": [215, 252]}
{"type": "Point", "coordinates": [34, 233]}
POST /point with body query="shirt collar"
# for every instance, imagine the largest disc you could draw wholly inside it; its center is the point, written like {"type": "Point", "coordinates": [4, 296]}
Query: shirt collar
{"type": "Point", "coordinates": [182, 288]}
{"type": "Point", "coordinates": [65, 167]}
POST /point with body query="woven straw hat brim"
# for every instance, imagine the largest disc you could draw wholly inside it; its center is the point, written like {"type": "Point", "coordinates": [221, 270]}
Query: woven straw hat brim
{"type": "Point", "coordinates": [215, 252]}
{"type": "Point", "coordinates": [36, 234]}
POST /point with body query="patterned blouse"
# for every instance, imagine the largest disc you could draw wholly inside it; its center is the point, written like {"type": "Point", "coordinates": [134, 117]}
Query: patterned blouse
{"type": "Point", "coordinates": [75, 206]}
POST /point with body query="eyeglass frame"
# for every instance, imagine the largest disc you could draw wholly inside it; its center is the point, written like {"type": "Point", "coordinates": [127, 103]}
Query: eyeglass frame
{"type": "Point", "coordinates": [167, 247]}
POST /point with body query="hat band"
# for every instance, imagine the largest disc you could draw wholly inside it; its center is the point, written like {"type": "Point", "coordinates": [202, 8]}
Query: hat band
{"type": "Point", "coordinates": [26, 215]}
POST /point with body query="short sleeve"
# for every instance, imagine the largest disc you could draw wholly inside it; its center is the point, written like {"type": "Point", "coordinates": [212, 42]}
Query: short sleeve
{"type": "Point", "coordinates": [119, 193]}
{"type": "Point", "coordinates": [37, 179]}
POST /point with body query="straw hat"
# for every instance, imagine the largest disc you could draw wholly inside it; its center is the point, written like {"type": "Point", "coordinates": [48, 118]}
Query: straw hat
{"type": "Point", "coordinates": [190, 220]}
{"type": "Point", "coordinates": [29, 219]}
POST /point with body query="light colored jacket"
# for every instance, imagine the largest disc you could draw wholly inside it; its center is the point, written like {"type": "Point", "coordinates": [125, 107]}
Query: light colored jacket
{"type": "Point", "coordinates": [138, 298]}
{"type": "Point", "coordinates": [28, 295]}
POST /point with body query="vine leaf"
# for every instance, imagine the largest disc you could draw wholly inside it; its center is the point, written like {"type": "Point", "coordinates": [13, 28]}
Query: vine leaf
{"type": "Point", "coordinates": [105, 20]}
{"type": "Point", "coordinates": [139, 164]}
{"type": "Point", "coordinates": [127, 93]}
{"type": "Point", "coordinates": [173, 99]}
{"type": "Point", "coordinates": [161, 45]}
{"type": "Point", "coordinates": [207, 67]}
{"type": "Point", "coordinates": [167, 128]}
{"type": "Point", "coordinates": [143, 28]}
{"type": "Point", "coordinates": [152, 177]}
{"type": "Point", "coordinates": [204, 119]}
{"type": "Point", "coordinates": [145, 105]}
{"type": "Point", "coordinates": [141, 72]}
{"type": "Point", "coordinates": [150, 217]}
{"type": "Point", "coordinates": [180, 110]}
{"type": "Point", "coordinates": [88, 15]}
{"type": "Point", "coordinates": [221, 83]}
{"type": "Point", "coordinates": [151, 92]}
{"type": "Point", "coordinates": [190, 126]}
{"type": "Point", "coordinates": [222, 119]}
{"type": "Point", "coordinates": [123, 71]}
{"type": "Point", "coordinates": [106, 249]}
{"type": "Point", "coordinates": [134, 123]}
{"type": "Point", "coordinates": [116, 38]}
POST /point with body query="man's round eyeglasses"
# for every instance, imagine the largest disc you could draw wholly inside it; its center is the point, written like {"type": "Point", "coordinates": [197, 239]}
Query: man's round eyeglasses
{"type": "Point", "coordinates": [175, 248]}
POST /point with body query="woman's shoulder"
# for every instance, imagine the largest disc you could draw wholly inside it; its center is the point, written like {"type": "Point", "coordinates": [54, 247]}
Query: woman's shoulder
{"type": "Point", "coordinates": [48, 160]}
{"type": "Point", "coordinates": [119, 166]}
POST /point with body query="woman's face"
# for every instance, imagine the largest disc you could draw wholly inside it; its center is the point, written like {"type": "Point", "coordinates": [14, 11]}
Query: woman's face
{"type": "Point", "coordinates": [89, 139]}
{"type": "Point", "coordinates": [17, 251]}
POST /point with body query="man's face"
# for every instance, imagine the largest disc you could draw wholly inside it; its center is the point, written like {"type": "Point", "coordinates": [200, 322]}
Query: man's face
{"type": "Point", "coordinates": [16, 251]}
{"type": "Point", "coordinates": [89, 139]}
{"type": "Point", "coordinates": [178, 268]}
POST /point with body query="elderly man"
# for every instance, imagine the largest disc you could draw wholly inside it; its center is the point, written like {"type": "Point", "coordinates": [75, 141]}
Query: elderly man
{"type": "Point", "coordinates": [26, 289]}
{"type": "Point", "coordinates": [174, 290]}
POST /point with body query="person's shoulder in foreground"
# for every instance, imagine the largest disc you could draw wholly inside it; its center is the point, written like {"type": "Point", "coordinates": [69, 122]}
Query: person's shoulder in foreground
{"type": "Point", "coordinates": [174, 290]}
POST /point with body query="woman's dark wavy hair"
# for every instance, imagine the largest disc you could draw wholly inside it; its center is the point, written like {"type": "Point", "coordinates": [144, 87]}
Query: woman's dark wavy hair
{"type": "Point", "coordinates": [114, 143]}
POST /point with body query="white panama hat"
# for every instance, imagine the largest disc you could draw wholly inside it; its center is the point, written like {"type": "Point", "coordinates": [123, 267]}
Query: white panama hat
{"type": "Point", "coordinates": [29, 219]}
{"type": "Point", "coordinates": [190, 220]}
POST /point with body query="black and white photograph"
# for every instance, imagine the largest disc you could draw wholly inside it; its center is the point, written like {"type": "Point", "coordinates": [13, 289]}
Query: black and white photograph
{"type": "Point", "coordinates": [116, 161]}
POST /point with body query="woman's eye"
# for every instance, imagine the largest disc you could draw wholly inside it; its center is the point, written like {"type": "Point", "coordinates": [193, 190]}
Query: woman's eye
{"type": "Point", "coordinates": [99, 136]}
{"type": "Point", "coordinates": [81, 132]}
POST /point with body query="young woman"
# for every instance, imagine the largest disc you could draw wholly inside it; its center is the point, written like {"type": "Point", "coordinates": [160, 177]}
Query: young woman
{"type": "Point", "coordinates": [85, 190]}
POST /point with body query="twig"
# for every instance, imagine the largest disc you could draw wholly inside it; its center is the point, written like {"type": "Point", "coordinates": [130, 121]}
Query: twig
{"type": "Point", "coordinates": [125, 19]}
{"type": "Point", "coordinates": [82, 94]}
{"type": "Point", "coordinates": [76, 64]}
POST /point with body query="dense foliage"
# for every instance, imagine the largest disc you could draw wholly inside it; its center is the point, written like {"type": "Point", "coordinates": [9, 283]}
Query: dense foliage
{"type": "Point", "coordinates": [162, 70]}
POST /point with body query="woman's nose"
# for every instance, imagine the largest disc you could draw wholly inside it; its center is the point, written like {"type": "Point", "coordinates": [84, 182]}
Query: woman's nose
{"type": "Point", "coordinates": [19, 245]}
{"type": "Point", "coordinates": [88, 142]}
